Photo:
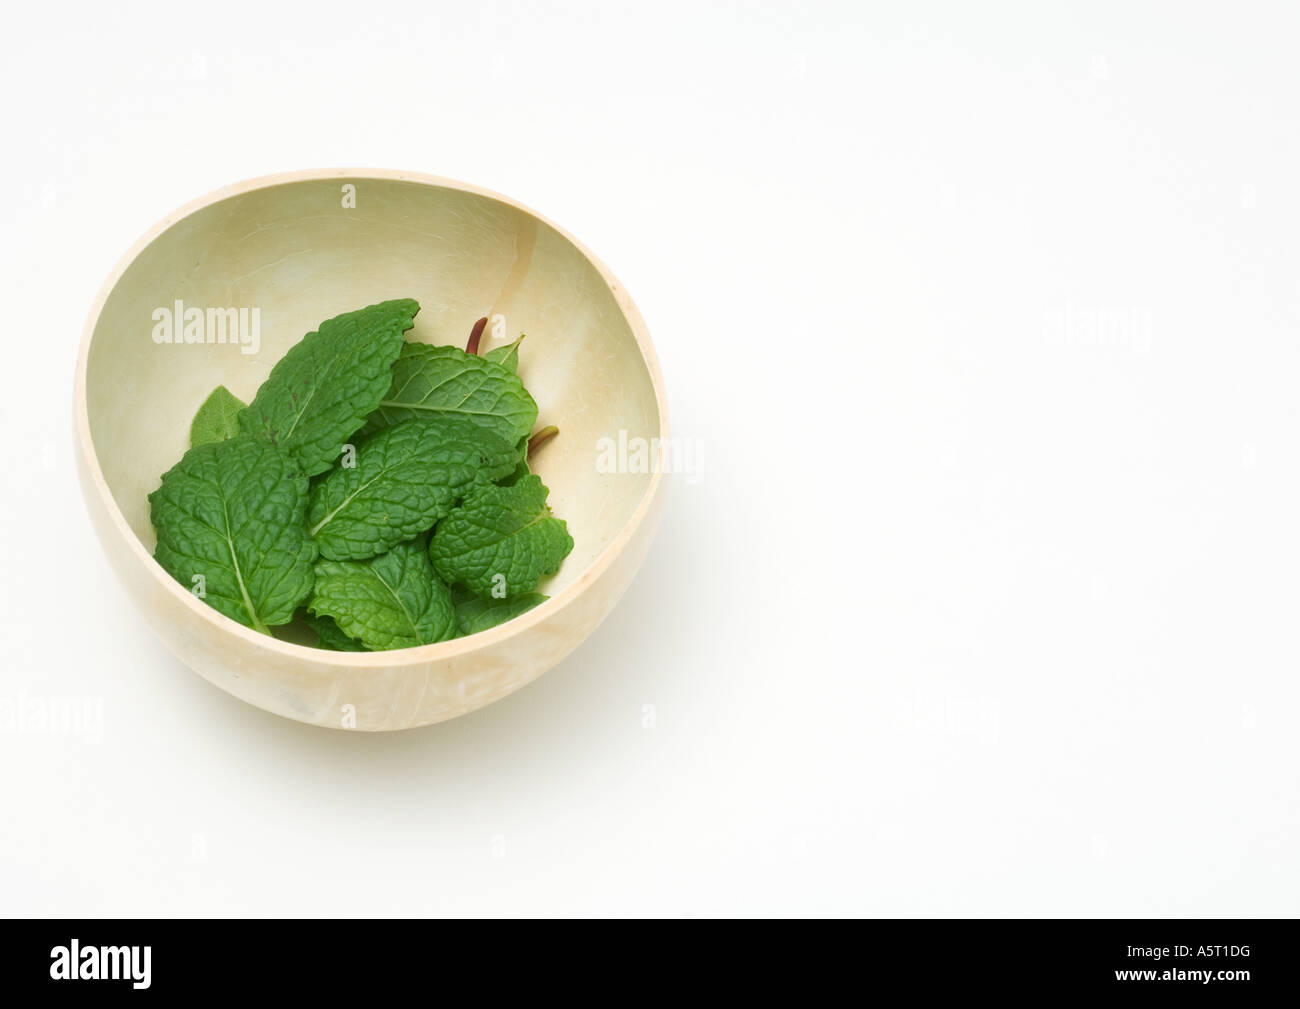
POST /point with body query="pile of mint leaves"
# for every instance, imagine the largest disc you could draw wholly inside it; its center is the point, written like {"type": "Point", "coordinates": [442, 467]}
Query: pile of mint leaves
{"type": "Point", "coordinates": [378, 487]}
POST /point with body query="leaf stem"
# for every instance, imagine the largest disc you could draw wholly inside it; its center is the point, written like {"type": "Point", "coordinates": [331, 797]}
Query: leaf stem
{"type": "Point", "coordinates": [544, 435]}
{"type": "Point", "coordinates": [475, 335]}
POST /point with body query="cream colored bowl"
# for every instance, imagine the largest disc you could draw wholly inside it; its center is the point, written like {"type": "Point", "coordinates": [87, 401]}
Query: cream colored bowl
{"type": "Point", "coordinates": [303, 247]}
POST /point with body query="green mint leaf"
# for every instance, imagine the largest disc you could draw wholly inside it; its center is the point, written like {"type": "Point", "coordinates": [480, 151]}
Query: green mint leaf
{"type": "Point", "coordinates": [521, 470]}
{"type": "Point", "coordinates": [330, 637]}
{"type": "Point", "coordinates": [515, 475]}
{"type": "Point", "coordinates": [445, 381]}
{"type": "Point", "coordinates": [501, 540]}
{"type": "Point", "coordinates": [390, 601]}
{"type": "Point", "coordinates": [526, 448]}
{"type": "Point", "coordinates": [321, 392]}
{"type": "Point", "coordinates": [475, 614]}
{"type": "Point", "coordinates": [230, 524]}
{"type": "Point", "coordinates": [217, 419]}
{"type": "Point", "coordinates": [507, 356]}
{"type": "Point", "coordinates": [405, 479]}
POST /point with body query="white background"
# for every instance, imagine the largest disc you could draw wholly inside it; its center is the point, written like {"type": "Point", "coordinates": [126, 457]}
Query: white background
{"type": "Point", "coordinates": [983, 601]}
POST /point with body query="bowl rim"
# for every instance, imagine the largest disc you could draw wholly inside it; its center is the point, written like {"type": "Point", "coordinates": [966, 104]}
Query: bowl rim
{"type": "Point", "coordinates": [421, 653]}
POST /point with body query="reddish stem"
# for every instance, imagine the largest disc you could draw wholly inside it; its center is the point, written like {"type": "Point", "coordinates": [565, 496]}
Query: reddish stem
{"type": "Point", "coordinates": [475, 335]}
{"type": "Point", "coordinates": [545, 434]}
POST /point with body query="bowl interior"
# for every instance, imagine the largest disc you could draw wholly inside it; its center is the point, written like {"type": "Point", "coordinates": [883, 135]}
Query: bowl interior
{"type": "Point", "coordinates": [299, 253]}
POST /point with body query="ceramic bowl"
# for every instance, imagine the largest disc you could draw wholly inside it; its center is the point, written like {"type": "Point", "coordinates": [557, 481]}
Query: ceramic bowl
{"type": "Point", "coordinates": [301, 248]}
